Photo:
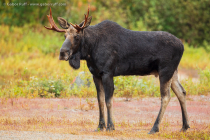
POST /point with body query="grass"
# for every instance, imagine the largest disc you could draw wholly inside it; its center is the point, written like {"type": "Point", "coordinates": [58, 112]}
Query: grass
{"type": "Point", "coordinates": [195, 58]}
{"type": "Point", "coordinates": [30, 68]}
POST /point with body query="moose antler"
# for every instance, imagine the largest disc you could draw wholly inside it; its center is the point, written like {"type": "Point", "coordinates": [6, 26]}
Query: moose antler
{"type": "Point", "coordinates": [52, 23]}
{"type": "Point", "coordinates": [77, 27]}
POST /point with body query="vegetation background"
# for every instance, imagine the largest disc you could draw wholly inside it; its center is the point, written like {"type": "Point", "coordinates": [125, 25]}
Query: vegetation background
{"type": "Point", "coordinates": [29, 53]}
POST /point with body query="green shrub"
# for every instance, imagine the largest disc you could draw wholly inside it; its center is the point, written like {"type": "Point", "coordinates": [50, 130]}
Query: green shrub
{"type": "Point", "coordinates": [205, 77]}
{"type": "Point", "coordinates": [188, 20]}
{"type": "Point", "coordinates": [201, 87]}
{"type": "Point", "coordinates": [47, 87]}
{"type": "Point", "coordinates": [133, 86]}
{"type": "Point", "coordinates": [20, 15]}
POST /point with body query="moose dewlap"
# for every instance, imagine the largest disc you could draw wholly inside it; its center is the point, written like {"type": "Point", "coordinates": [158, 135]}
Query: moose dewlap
{"type": "Point", "coordinates": [111, 50]}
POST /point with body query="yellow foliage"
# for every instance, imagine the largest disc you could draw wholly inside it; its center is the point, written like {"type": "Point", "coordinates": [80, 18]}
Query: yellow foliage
{"type": "Point", "coordinates": [29, 62]}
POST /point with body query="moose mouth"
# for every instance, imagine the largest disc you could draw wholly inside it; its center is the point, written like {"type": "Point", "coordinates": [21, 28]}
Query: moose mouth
{"type": "Point", "coordinates": [64, 56]}
{"type": "Point", "coordinates": [74, 59]}
{"type": "Point", "coordinates": [67, 57]}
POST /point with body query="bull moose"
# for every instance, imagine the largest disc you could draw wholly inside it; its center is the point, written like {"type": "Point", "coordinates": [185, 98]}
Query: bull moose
{"type": "Point", "coordinates": [111, 50]}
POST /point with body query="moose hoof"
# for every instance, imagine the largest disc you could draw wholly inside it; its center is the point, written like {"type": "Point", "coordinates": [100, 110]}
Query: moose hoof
{"type": "Point", "coordinates": [184, 128]}
{"type": "Point", "coordinates": [101, 127]}
{"type": "Point", "coordinates": [110, 127]}
{"type": "Point", "coordinates": [153, 130]}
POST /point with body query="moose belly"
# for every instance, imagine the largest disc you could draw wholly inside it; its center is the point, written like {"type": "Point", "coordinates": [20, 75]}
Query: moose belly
{"type": "Point", "coordinates": [135, 68]}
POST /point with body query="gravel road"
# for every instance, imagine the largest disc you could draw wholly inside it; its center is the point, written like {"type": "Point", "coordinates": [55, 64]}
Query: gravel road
{"type": "Point", "coordinates": [30, 135]}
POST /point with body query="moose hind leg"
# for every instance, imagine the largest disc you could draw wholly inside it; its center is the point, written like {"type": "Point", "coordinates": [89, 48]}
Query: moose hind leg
{"type": "Point", "coordinates": [165, 98]}
{"type": "Point", "coordinates": [181, 95]}
{"type": "Point", "coordinates": [101, 101]}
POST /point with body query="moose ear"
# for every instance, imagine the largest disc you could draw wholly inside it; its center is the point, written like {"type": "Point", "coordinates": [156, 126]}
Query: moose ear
{"type": "Point", "coordinates": [88, 22]}
{"type": "Point", "coordinates": [63, 23]}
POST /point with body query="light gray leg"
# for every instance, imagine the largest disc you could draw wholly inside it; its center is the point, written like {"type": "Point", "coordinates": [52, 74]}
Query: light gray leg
{"type": "Point", "coordinates": [101, 101]}
{"type": "Point", "coordinates": [165, 98]}
{"type": "Point", "coordinates": [181, 95]}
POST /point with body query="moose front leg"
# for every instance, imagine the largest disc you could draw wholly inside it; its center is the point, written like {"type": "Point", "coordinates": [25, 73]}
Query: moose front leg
{"type": "Point", "coordinates": [108, 84]}
{"type": "Point", "coordinates": [101, 100]}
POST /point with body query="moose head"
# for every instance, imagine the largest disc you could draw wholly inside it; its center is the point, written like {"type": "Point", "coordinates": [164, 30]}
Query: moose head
{"type": "Point", "coordinates": [73, 38]}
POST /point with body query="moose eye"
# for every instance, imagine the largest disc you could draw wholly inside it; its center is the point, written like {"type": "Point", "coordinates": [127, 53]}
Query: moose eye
{"type": "Point", "coordinates": [76, 37]}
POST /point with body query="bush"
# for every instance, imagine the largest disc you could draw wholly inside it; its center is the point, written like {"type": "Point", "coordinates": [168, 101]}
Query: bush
{"type": "Point", "coordinates": [129, 86]}
{"type": "Point", "coordinates": [47, 87]}
{"type": "Point", "coordinates": [20, 15]}
{"type": "Point", "coordinates": [186, 19]}
{"type": "Point", "coordinates": [201, 87]}
{"type": "Point", "coordinates": [205, 77]}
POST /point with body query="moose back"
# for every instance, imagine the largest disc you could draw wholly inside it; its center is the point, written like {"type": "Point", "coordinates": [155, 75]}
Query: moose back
{"type": "Point", "coordinates": [111, 50]}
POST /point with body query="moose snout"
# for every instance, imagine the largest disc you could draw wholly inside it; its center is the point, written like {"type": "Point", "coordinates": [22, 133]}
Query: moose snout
{"type": "Point", "coordinates": [65, 50]}
{"type": "Point", "coordinates": [64, 54]}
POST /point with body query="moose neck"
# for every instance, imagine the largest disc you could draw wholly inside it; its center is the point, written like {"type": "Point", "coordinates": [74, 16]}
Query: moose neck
{"type": "Point", "coordinates": [87, 43]}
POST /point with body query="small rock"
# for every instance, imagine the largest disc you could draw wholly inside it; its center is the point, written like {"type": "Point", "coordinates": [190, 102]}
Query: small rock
{"type": "Point", "coordinates": [81, 80]}
{"type": "Point", "coordinates": [202, 96]}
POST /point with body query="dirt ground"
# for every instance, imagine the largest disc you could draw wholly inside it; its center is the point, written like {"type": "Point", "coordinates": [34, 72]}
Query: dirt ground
{"type": "Point", "coordinates": [32, 135]}
{"type": "Point", "coordinates": [79, 117]}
